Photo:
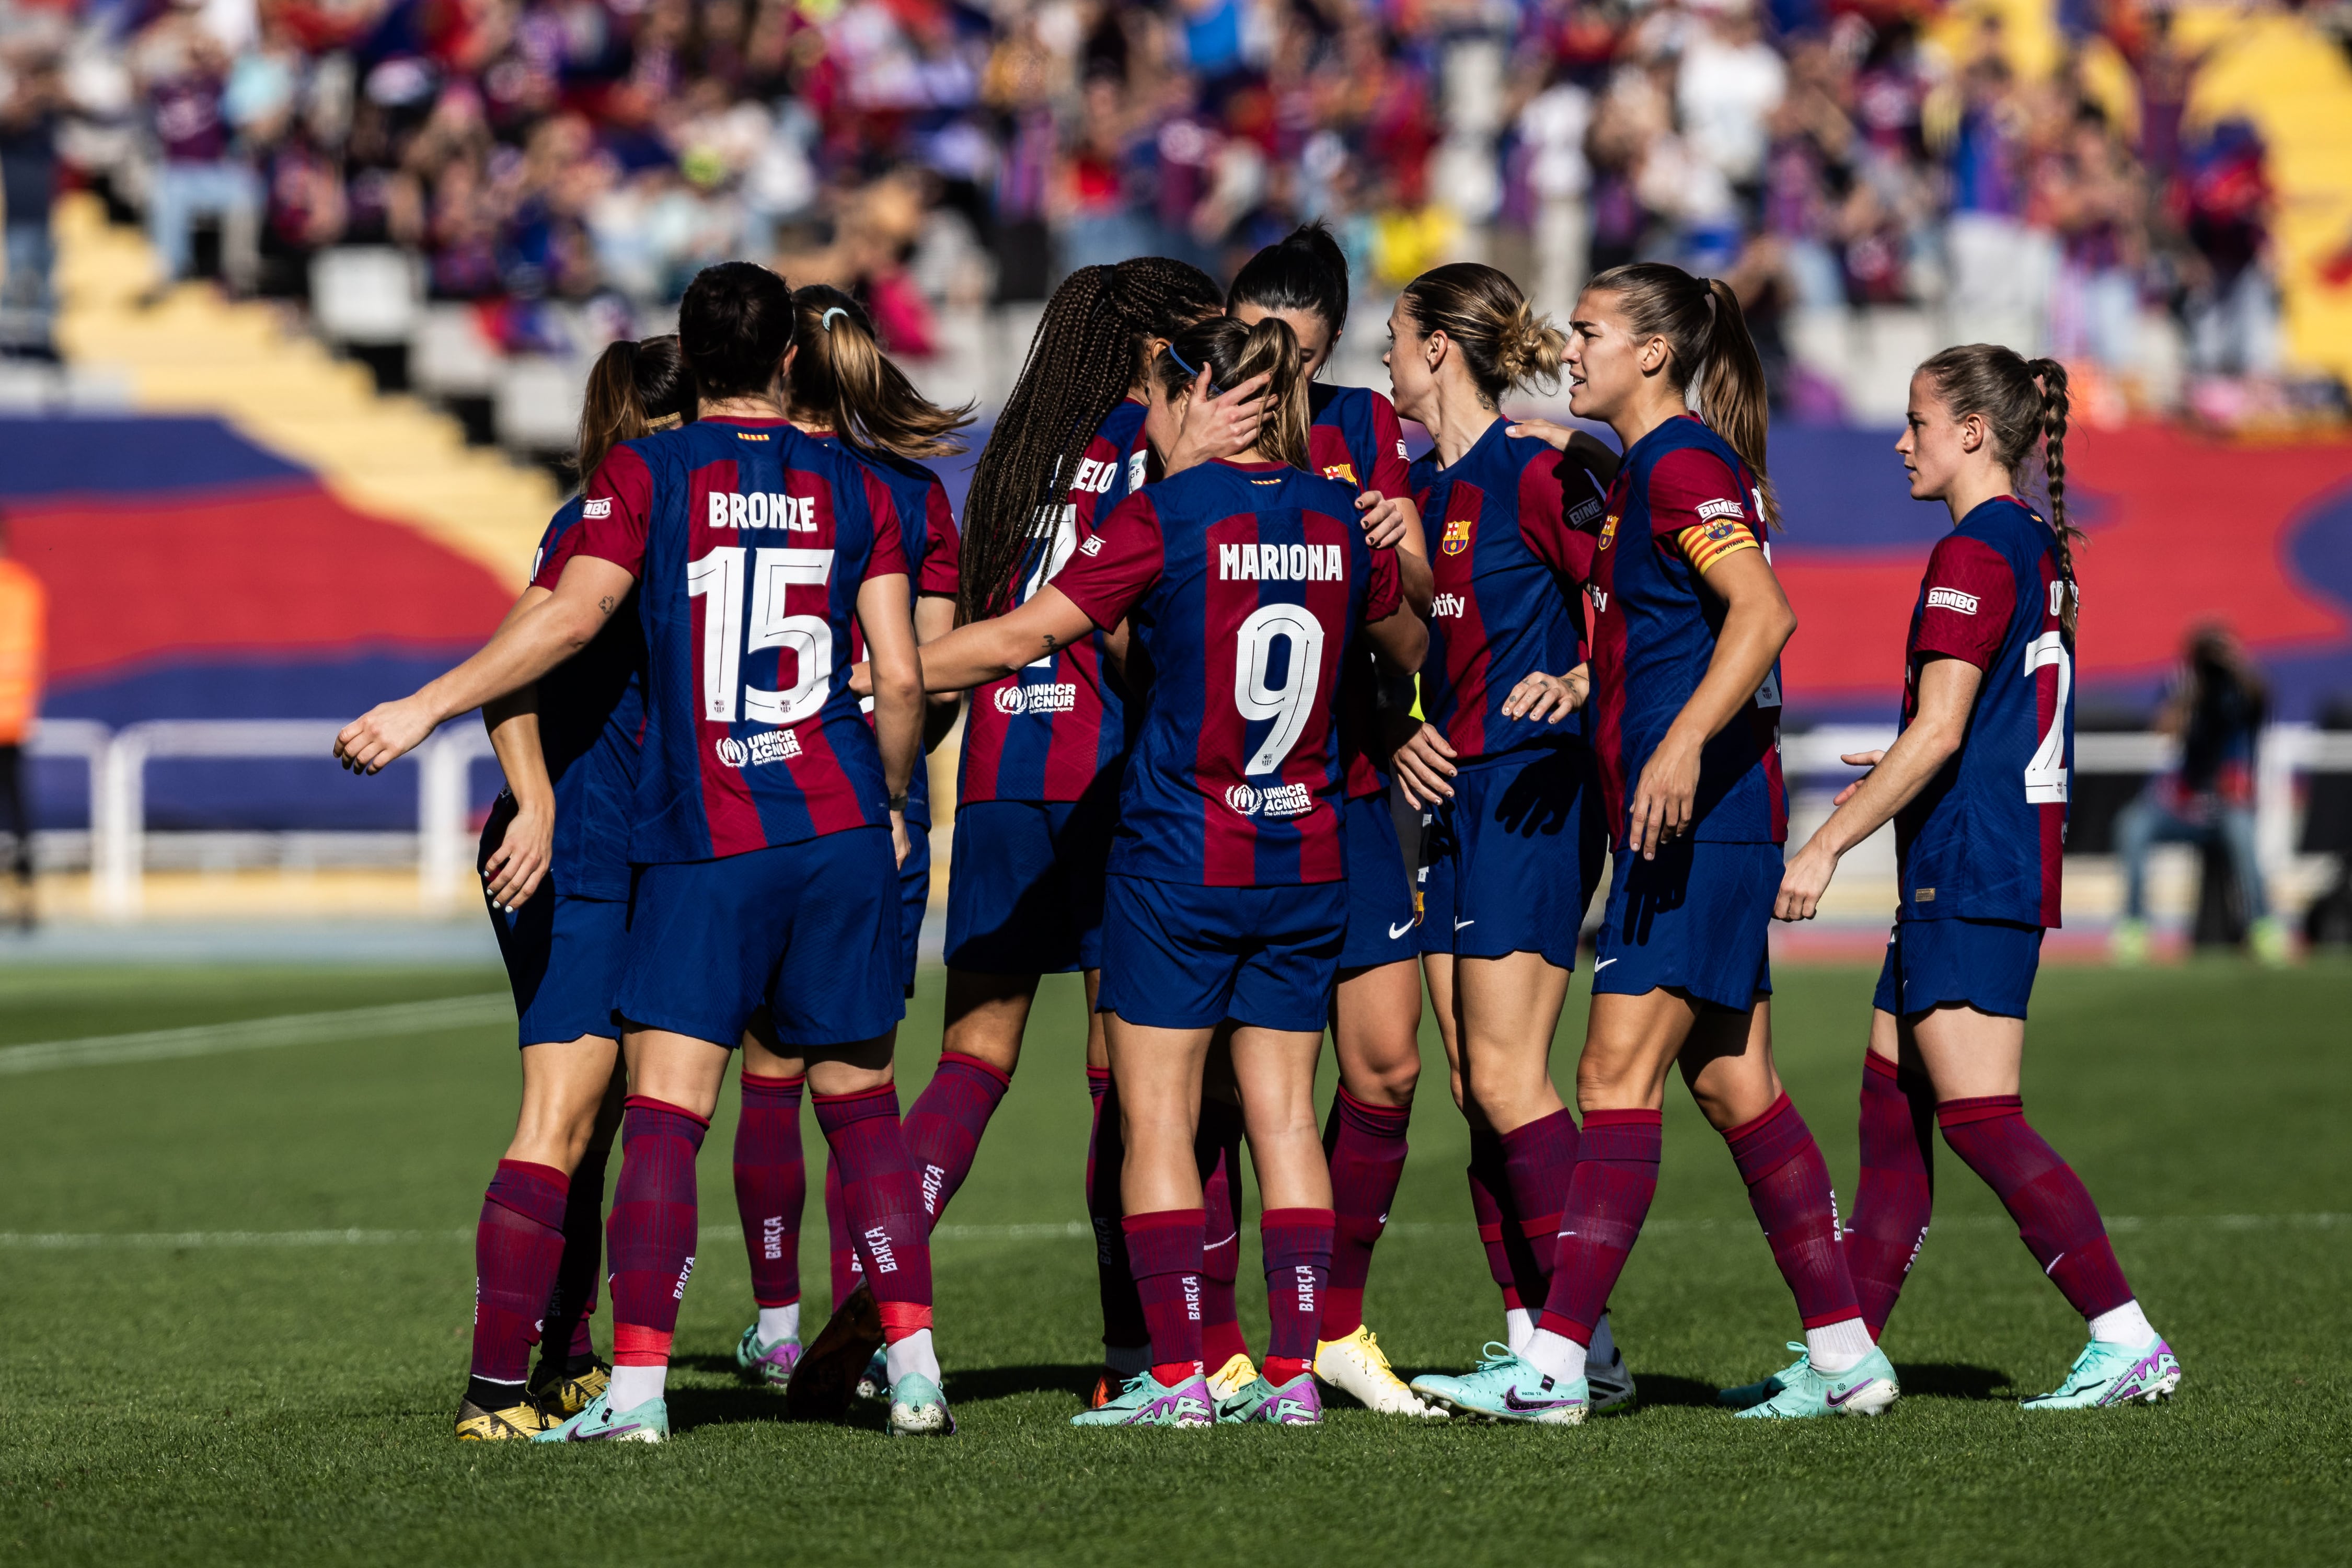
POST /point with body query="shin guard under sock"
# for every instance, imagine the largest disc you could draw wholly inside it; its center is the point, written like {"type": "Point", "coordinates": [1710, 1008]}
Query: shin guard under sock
{"type": "Point", "coordinates": [845, 1272]}
{"type": "Point", "coordinates": [651, 1234]}
{"type": "Point", "coordinates": [1538, 1159]}
{"type": "Point", "coordinates": [2055, 1214]}
{"type": "Point", "coordinates": [771, 1185]}
{"type": "Point", "coordinates": [944, 1129]}
{"type": "Point", "coordinates": [883, 1201]}
{"type": "Point", "coordinates": [564, 1339]}
{"type": "Point", "coordinates": [1609, 1196]}
{"type": "Point", "coordinates": [1789, 1188]}
{"type": "Point", "coordinates": [1896, 1192]}
{"type": "Point", "coordinates": [1489, 1206]}
{"type": "Point", "coordinates": [1297, 1248]}
{"type": "Point", "coordinates": [1365, 1146]}
{"type": "Point", "coordinates": [517, 1246]}
{"type": "Point", "coordinates": [1165, 1251]}
{"type": "Point", "coordinates": [1217, 1148]}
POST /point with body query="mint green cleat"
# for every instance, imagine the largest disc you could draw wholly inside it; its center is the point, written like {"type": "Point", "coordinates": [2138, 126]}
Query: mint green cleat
{"type": "Point", "coordinates": [918, 1408]}
{"type": "Point", "coordinates": [1505, 1388]}
{"type": "Point", "coordinates": [1148, 1401]}
{"type": "Point", "coordinates": [2109, 1373]}
{"type": "Point", "coordinates": [1866, 1388]}
{"type": "Point", "coordinates": [1298, 1403]}
{"type": "Point", "coordinates": [648, 1423]}
{"type": "Point", "coordinates": [1753, 1394]}
{"type": "Point", "coordinates": [873, 1382]}
{"type": "Point", "coordinates": [770, 1361]}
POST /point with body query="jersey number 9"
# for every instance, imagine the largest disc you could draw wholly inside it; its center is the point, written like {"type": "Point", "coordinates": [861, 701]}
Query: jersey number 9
{"type": "Point", "coordinates": [1290, 704]}
{"type": "Point", "coordinates": [719, 576]}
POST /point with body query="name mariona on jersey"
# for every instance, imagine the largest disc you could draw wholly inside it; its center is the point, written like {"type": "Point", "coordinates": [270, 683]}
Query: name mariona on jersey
{"type": "Point", "coordinates": [1281, 562]}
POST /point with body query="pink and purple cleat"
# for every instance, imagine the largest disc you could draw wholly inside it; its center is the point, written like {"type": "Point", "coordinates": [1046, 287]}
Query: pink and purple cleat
{"type": "Point", "coordinates": [1148, 1401]}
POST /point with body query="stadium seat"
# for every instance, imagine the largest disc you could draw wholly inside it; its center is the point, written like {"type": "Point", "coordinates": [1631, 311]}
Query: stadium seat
{"type": "Point", "coordinates": [366, 294]}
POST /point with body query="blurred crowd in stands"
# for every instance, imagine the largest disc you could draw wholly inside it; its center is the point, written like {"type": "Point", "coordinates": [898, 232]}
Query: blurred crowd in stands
{"type": "Point", "coordinates": [944, 154]}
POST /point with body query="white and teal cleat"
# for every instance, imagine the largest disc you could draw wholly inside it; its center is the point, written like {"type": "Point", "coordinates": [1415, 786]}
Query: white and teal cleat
{"type": "Point", "coordinates": [2109, 1373]}
{"type": "Point", "coordinates": [1505, 1388]}
{"type": "Point", "coordinates": [1748, 1394]}
{"type": "Point", "coordinates": [873, 1382]}
{"type": "Point", "coordinates": [766, 1361]}
{"type": "Point", "coordinates": [1866, 1388]}
{"type": "Point", "coordinates": [599, 1423]}
{"type": "Point", "coordinates": [918, 1408]}
{"type": "Point", "coordinates": [1148, 1401]}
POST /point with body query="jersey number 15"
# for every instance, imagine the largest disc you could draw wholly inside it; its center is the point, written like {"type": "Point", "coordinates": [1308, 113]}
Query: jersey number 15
{"type": "Point", "coordinates": [719, 576]}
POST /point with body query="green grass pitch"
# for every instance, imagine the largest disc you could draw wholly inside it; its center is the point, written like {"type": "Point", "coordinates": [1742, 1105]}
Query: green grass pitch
{"type": "Point", "coordinates": [241, 1401]}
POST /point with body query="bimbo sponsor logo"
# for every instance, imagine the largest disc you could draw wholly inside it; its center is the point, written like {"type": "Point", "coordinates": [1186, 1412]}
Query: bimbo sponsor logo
{"type": "Point", "coordinates": [757, 751]}
{"type": "Point", "coordinates": [878, 1243]}
{"type": "Point", "coordinates": [1952, 599]}
{"type": "Point", "coordinates": [1582, 512]}
{"type": "Point", "coordinates": [601, 507]}
{"type": "Point", "coordinates": [1709, 509]}
{"type": "Point", "coordinates": [1281, 563]}
{"type": "Point", "coordinates": [1054, 697]}
{"type": "Point", "coordinates": [763, 509]}
{"type": "Point", "coordinates": [1449, 606]}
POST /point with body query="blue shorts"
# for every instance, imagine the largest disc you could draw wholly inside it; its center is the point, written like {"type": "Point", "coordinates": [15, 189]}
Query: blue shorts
{"type": "Point", "coordinates": [1508, 865]}
{"type": "Point", "coordinates": [1025, 884]}
{"type": "Point", "coordinates": [564, 959]}
{"type": "Point", "coordinates": [1181, 957]}
{"type": "Point", "coordinates": [1988, 964]}
{"type": "Point", "coordinates": [1697, 919]}
{"type": "Point", "coordinates": [1381, 911]}
{"type": "Point", "coordinates": [914, 899]}
{"type": "Point", "coordinates": [809, 931]}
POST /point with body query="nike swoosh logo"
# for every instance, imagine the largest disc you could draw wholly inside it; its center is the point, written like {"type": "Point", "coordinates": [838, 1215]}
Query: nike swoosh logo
{"type": "Point", "coordinates": [1459, 924]}
{"type": "Point", "coordinates": [610, 1432]}
{"type": "Point", "coordinates": [1837, 1399]}
{"type": "Point", "coordinates": [1396, 931]}
{"type": "Point", "coordinates": [1511, 1401]}
{"type": "Point", "coordinates": [1603, 964]}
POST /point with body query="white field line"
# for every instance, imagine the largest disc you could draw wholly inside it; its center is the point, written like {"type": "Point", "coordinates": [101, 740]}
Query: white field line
{"type": "Point", "coordinates": [255, 1034]}
{"type": "Point", "coordinates": [1069, 1230]}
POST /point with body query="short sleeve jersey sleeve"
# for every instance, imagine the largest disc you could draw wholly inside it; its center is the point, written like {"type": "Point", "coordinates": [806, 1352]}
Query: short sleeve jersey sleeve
{"type": "Point", "coordinates": [1385, 591]}
{"type": "Point", "coordinates": [1543, 517]}
{"type": "Point", "coordinates": [1390, 474]}
{"type": "Point", "coordinates": [888, 556]}
{"type": "Point", "coordinates": [1118, 563]}
{"type": "Point", "coordinates": [942, 570]}
{"type": "Point", "coordinates": [1696, 507]}
{"type": "Point", "coordinates": [1965, 601]}
{"type": "Point", "coordinates": [615, 513]}
{"type": "Point", "coordinates": [547, 562]}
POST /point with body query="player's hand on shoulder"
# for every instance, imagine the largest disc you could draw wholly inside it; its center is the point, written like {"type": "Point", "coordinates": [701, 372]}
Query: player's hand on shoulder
{"type": "Point", "coordinates": [383, 735]}
{"type": "Point", "coordinates": [1425, 762]}
{"type": "Point", "coordinates": [1547, 699]}
{"type": "Point", "coordinates": [1383, 519]}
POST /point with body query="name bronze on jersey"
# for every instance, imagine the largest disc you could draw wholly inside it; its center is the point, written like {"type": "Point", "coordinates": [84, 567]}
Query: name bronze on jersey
{"type": "Point", "coordinates": [1281, 562]}
{"type": "Point", "coordinates": [763, 509]}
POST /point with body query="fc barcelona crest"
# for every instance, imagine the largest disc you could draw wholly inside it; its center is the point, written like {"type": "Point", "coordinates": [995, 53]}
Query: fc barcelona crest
{"type": "Point", "coordinates": [1608, 532]}
{"type": "Point", "coordinates": [1457, 535]}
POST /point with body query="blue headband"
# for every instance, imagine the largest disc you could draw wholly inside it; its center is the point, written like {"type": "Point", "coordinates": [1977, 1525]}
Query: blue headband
{"type": "Point", "coordinates": [825, 321]}
{"type": "Point", "coordinates": [1190, 369]}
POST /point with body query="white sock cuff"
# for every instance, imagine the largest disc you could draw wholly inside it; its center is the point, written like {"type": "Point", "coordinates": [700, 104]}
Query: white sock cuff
{"type": "Point", "coordinates": [1837, 1347]}
{"type": "Point", "coordinates": [2126, 1325]}
{"type": "Point", "coordinates": [1556, 1356]}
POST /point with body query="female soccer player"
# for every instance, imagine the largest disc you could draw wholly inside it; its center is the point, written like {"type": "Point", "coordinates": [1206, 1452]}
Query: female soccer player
{"type": "Point", "coordinates": [1689, 621]}
{"type": "Point", "coordinates": [766, 828]}
{"type": "Point", "coordinates": [1376, 1016]}
{"type": "Point", "coordinates": [569, 750]}
{"type": "Point", "coordinates": [845, 392]}
{"type": "Point", "coordinates": [1511, 841]}
{"type": "Point", "coordinates": [1247, 580]}
{"type": "Point", "coordinates": [1038, 783]}
{"type": "Point", "coordinates": [1976, 785]}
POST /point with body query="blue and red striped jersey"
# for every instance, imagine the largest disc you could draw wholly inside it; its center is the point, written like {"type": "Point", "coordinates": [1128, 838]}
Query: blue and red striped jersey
{"type": "Point", "coordinates": [1986, 839]}
{"type": "Point", "coordinates": [1355, 440]}
{"type": "Point", "coordinates": [1246, 584]}
{"type": "Point", "coordinates": [748, 541]}
{"type": "Point", "coordinates": [1509, 551]}
{"type": "Point", "coordinates": [1681, 492]}
{"type": "Point", "coordinates": [927, 530]}
{"type": "Point", "coordinates": [592, 718]}
{"type": "Point", "coordinates": [1050, 732]}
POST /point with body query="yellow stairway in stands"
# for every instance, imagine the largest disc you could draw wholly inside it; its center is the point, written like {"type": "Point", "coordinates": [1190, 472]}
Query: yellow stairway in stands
{"type": "Point", "coordinates": [196, 353]}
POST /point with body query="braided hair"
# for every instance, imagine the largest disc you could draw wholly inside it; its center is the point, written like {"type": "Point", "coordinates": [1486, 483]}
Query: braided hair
{"type": "Point", "coordinates": [2024, 401]}
{"type": "Point", "coordinates": [1087, 356]}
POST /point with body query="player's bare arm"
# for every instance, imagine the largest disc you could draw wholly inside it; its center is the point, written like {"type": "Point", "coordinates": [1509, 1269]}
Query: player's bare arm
{"type": "Point", "coordinates": [1756, 624]}
{"type": "Point", "coordinates": [1393, 522]}
{"type": "Point", "coordinates": [895, 669]}
{"type": "Point", "coordinates": [516, 867]}
{"type": "Point", "coordinates": [982, 651]}
{"type": "Point", "coordinates": [1947, 695]}
{"type": "Point", "coordinates": [934, 618]}
{"type": "Point", "coordinates": [1400, 640]}
{"type": "Point", "coordinates": [529, 644]}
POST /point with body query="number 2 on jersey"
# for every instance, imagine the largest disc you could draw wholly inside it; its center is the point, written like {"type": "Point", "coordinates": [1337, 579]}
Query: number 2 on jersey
{"type": "Point", "coordinates": [719, 576]}
{"type": "Point", "coordinates": [1290, 704]}
{"type": "Point", "coordinates": [2045, 776]}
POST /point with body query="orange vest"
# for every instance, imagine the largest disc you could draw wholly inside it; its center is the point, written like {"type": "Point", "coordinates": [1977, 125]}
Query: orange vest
{"type": "Point", "coordinates": [23, 640]}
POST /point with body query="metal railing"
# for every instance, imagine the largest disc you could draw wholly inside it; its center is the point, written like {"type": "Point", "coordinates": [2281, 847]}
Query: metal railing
{"type": "Point", "coordinates": [118, 762]}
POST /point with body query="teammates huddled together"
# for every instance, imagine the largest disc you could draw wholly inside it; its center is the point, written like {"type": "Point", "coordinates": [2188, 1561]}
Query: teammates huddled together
{"type": "Point", "coordinates": [1215, 626]}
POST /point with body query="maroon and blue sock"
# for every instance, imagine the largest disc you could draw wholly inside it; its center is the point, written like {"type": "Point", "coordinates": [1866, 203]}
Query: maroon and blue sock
{"type": "Point", "coordinates": [651, 1234]}
{"type": "Point", "coordinates": [1164, 1250]}
{"type": "Point", "coordinates": [1609, 1195]}
{"type": "Point", "coordinates": [771, 1185]}
{"type": "Point", "coordinates": [1896, 1193]}
{"type": "Point", "coordinates": [1217, 1147]}
{"type": "Point", "coordinates": [1365, 1146]}
{"type": "Point", "coordinates": [2055, 1214]}
{"type": "Point", "coordinates": [1122, 1306]}
{"type": "Point", "coordinates": [1297, 1247]}
{"type": "Point", "coordinates": [944, 1128]}
{"type": "Point", "coordinates": [1789, 1188]}
{"type": "Point", "coordinates": [846, 1273]}
{"type": "Point", "coordinates": [883, 1199]}
{"type": "Point", "coordinates": [518, 1244]}
{"type": "Point", "coordinates": [1538, 1162]}
{"type": "Point", "coordinates": [564, 1338]}
{"type": "Point", "coordinates": [1490, 1206]}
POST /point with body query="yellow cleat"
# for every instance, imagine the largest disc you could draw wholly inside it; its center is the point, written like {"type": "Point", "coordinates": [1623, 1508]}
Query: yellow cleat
{"type": "Point", "coordinates": [1357, 1365]}
{"type": "Point", "coordinates": [567, 1396]}
{"type": "Point", "coordinates": [1230, 1379]}
{"type": "Point", "coordinates": [476, 1425]}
